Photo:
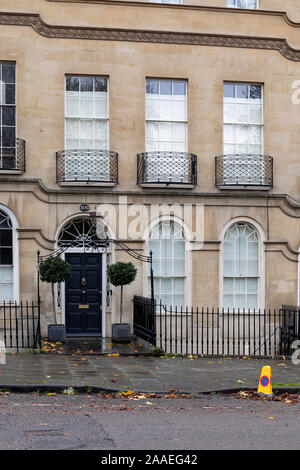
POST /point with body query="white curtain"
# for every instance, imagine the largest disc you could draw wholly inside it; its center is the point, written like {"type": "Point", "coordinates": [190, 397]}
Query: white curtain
{"type": "Point", "coordinates": [251, 4]}
{"type": "Point", "coordinates": [178, 2]}
{"type": "Point", "coordinates": [87, 120]}
{"type": "Point", "coordinates": [6, 283]}
{"type": "Point", "coordinates": [241, 267]}
{"type": "Point", "coordinates": [168, 247]}
{"type": "Point", "coordinates": [166, 117]}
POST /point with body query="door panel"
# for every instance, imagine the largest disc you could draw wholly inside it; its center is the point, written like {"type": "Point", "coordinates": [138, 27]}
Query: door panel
{"type": "Point", "coordinates": [84, 294]}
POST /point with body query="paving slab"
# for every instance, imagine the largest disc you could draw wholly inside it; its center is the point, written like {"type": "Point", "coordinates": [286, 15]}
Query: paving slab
{"type": "Point", "coordinates": [145, 374]}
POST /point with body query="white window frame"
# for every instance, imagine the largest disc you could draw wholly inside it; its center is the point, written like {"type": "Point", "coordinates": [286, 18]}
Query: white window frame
{"type": "Point", "coordinates": [241, 162]}
{"type": "Point", "coordinates": [80, 158]}
{"type": "Point", "coordinates": [185, 277]}
{"type": "Point", "coordinates": [11, 105]}
{"type": "Point", "coordinates": [172, 2]}
{"type": "Point", "coordinates": [248, 124]}
{"type": "Point", "coordinates": [155, 158]}
{"type": "Point", "coordinates": [79, 118]}
{"type": "Point", "coordinates": [172, 80]}
{"type": "Point", "coordinates": [261, 261]}
{"type": "Point", "coordinates": [235, 6]}
{"type": "Point", "coordinates": [15, 242]}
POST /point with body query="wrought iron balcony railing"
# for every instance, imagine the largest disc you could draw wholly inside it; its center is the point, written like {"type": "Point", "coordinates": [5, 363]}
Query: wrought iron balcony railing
{"type": "Point", "coordinates": [167, 168]}
{"type": "Point", "coordinates": [87, 166]}
{"type": "Point", "coordinates": [12, 155]}
{"type": "Point", "coordinates": [244, 170]}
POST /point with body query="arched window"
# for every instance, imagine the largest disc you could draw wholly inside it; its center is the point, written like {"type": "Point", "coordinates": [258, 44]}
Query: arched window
{"type": "Point", "coordinates": [78, 232]}
{"type": "Point", "coordinates": [6, 258]}
{"type": "Point", "coordinates": [241, 267]}
{"type": "Point", "coordinates": [168, 247]}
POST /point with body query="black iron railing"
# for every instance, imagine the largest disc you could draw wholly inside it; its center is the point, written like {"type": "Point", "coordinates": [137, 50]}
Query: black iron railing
{"type": "Point", "coordinates": [20, 325]}
{"type": "Point", "coordinates": [244, 170]}
{"type": "Point", "coordinates": [12, 155]}
{"type": "Point", "coordinates": [217, 332]}
{"type": "Point", "coordinates": [167, 168]}
{"type": "Point", "coordinates": [87, 166]}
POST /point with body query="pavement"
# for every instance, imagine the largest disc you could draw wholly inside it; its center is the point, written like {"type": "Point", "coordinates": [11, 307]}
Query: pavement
{"type": "Point", "coordinates": [35, 371]}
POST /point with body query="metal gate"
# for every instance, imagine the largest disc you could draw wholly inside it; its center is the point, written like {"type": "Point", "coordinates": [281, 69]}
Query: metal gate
{"type": "Point", "coordinates": [20, 325]}
{"type": "Point", "coordinates": [144, 319]}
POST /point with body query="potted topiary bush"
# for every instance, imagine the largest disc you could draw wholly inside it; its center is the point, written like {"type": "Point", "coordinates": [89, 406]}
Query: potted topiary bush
{"type": "Point", "coordinates": [121, 274]}
{"type": "Point", "coordinates": [54, 270]}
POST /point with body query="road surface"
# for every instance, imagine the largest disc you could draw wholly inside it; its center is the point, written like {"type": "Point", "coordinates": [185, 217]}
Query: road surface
{"type": "Point", "coordinates": [33, 421]}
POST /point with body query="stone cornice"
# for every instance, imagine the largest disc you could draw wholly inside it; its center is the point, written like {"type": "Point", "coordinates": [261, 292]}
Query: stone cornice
{"type": "Point", "coordinates": [147, 36]}
{"type": "Point", "coordinates": [49, 195]}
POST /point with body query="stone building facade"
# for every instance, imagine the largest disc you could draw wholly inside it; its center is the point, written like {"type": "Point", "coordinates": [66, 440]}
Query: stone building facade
{"type": "Point", "coordinates": [124, 106]}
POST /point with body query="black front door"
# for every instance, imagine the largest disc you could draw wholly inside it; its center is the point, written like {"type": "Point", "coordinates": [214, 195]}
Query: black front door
{"type": "Point", "coordinates": [83, 297]}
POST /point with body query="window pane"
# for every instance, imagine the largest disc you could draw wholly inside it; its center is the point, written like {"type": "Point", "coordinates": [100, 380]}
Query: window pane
{"type": "Point", "coordinates": [228, 90]}
{"type": "Point", "coordinates": [86, 84]}
{"type": "Point", "coordinates": [179, 88]}
{"type": "Point", "coordinates": [242, 91]}
{"type": "Point", "coordinates": [8, 116]}
{"type": "Point", "coordinates": [168, 262]}
{"type": "Point", "coordinates": [5, 255]}
{"type": "Point", "coordinates": [152, 86]}
{"type": "Point", "coordinates": [87, 100]}
{"type": "Point", "coordinates": [255, 92]}
{"type": "Point", "coordinates": [100, 84]}
{"type": "Point", "coordinates": [252, 4]}
{"type": "Point", "coordinates": [100, 130]}
{"type": "Point", "coordinates": [72, 104]}
{"type": "Point", "coordinates": [101, 106]}
{"type": "Point", "coordinates": [165, 87]}
{"type": "Point", "coordinates": [8, 72]}
{"type": "Point", "coordinates": [6, 292]}
{"type": "Point", "coordinates": [6, 238]}
{"type": "Point", "coordinates": [72, 83]}
{"type": "Point", "coordinates": [9, 94]}
{"type": "Point", "coordinates": [86, 108]}
{"type": "Point", "coordinates": [8, 136]}
{"type": "Point", "coordinates": [72, 127]}
{"type": "Point", "coordinates": [240, 262]}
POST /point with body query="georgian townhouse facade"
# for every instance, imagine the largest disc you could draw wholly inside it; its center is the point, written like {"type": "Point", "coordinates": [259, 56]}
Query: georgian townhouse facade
{"type": "Point", "coordinates": [179, 122]}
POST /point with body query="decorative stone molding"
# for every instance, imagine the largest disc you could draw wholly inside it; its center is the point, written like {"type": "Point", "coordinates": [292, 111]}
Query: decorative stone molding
{"type": "Point", "coordinates": [283, 247]}
{"type": "Point", "coordinates": [146, 36]}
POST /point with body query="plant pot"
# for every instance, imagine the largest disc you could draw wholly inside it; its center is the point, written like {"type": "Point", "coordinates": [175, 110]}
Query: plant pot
{"type": "Point", "coordinates": [121, 332]}
{"type": "Point", "coordinates": [56, 333]}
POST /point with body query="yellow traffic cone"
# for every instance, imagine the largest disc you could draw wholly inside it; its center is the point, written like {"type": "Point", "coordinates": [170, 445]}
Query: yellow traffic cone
{"type": "Point", "coordinates": [265, 384]}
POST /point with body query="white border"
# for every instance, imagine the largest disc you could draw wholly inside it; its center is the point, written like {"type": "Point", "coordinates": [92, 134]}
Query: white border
{"type": "Point", "coordinates": [261, 260]}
